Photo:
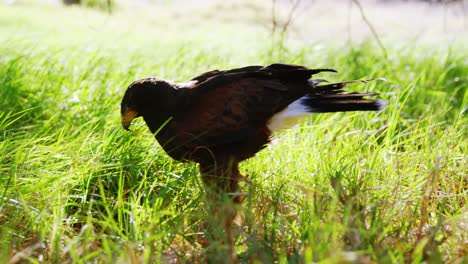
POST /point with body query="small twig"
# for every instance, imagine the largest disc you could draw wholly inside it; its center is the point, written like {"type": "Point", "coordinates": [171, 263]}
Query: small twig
{"type": "Point", "coordinates": [445, 17]}
{"type": "Point", "coordinates": [371, 27]}
{"type": "Point", "coordinates": [293, 9]}
{"type": "Point", "coordinates": [274, 20]}
{"type": "Point", "coordinates": [349, 21]}
{"type": "Point", "coordinates": [109, 6]}
{"type": "Point", "coordinates": [276, 23]}
{"type": "Point", "coordinates": [26, 253]}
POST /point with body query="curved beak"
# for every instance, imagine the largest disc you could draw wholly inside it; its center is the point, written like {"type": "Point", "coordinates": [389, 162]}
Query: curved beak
{"type": "Point", "coordinates": [128, 114]}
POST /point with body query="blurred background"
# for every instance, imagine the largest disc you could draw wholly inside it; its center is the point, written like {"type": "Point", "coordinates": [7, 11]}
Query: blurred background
{"type": "Point", "coordinates": [336, 22]}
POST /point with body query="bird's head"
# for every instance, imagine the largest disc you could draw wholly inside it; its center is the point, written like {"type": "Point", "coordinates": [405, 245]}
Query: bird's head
{"type": "Point", "coordinates": [149, 97]}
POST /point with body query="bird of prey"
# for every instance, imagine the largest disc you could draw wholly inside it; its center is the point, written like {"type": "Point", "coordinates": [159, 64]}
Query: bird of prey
{"type": "Point", "coordinates": [221, 118]}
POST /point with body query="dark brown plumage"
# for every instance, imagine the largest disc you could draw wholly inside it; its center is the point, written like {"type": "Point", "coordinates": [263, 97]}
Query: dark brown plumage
{"type": "Point", "coordinates": [221, 118]}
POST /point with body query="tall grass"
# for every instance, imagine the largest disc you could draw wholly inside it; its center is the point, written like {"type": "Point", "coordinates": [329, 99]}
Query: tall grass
{"type": "Point", "coordinates": [387, 187]}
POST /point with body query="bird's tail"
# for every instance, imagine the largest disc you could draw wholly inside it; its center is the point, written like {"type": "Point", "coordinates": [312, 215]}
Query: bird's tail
{"type": "Point", "coordinates": [324, 99]}
{"type": "Point", "coordinates": [331, 98]}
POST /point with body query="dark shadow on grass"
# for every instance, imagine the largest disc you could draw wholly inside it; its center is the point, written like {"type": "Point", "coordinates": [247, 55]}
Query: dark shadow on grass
{"type": "Point", "coordinates": [16, 95]}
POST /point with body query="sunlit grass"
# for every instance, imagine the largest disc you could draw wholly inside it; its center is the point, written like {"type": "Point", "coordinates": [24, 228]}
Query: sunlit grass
{"type": "Point", "coordinates": [388, 186]}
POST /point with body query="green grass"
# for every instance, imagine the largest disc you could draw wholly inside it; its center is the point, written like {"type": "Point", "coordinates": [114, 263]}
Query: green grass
{"type": "Point", "coordinates": [75, 187]}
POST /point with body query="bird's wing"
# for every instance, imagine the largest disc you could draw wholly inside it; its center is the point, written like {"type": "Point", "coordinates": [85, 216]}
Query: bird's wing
{"type": "Point", "coordinates": [204, 76]}
{"type": "Point", "coordinates": [230, 112]}
{"type": "Point", "coordinates": [230, 106]}
{"type": "Point", "coordinates": [277, 69]}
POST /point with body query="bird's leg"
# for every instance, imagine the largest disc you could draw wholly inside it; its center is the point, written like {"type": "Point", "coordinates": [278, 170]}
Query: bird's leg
{"type": "Point", "coordinates": [222, 179]}
{"type": "Point", "coordinates": [222, 186]}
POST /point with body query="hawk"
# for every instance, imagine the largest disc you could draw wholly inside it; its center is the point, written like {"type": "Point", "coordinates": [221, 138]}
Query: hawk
{"type": "Point", "coordinates": [221, 118]}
